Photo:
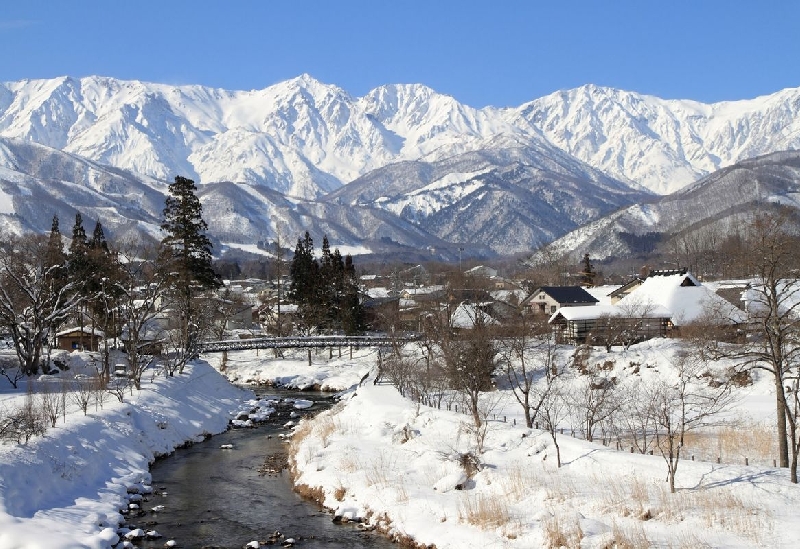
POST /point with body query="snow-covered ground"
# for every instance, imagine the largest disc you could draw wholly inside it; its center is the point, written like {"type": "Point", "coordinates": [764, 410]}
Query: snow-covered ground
{"type": "Point", "coordinates": [65, 489]}
{"type": "Point", "coordinates": [381, 458]}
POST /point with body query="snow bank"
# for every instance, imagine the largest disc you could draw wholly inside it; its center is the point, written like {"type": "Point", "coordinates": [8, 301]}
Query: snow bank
{"type": "Point", "coordinates": [383, 460]}
{"type": "Point", "coordinates": [292, 371]}
{"type": "Point", "coordinates": [65, 489]}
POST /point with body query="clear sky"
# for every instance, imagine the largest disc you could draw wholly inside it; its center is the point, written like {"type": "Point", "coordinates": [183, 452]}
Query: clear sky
{"type": "Point", "coordinates": [492, 52]}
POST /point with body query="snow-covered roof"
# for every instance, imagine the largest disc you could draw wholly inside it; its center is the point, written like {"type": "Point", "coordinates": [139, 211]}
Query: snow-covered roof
{"type": "Point", "coordinates": [589, 312]}
{"type": "Point", "coordinates": [465, 315]}
{"type": "Point", "coordinates": [378, 292]}
{"type": "Point", "coordinates": [602, 293]}
{"type": "Point", "coordinates": [681, 294]}
{"type": "Point", "coordinates": [85, 330]}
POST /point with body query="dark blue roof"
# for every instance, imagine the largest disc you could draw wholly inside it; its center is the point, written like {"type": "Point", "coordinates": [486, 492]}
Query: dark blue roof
{"type": "Point", "coordinates": [567, 294]}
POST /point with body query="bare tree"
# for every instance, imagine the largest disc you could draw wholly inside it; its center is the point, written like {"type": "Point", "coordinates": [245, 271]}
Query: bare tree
{"type": "Point", "coordinates": [529, 352]}
{"type": "Point", "coordinates": [773, 311]}
{"type": "Point", "coordinates": [594, 400]}
{"type": "Point", "coordinates": [553, 409]}
{"type": "Point", "coordinates": [140, 302]}
{"type": "Point", "coordinates": [691, 401]}
{"type": "Point", "coordinates": [31, 299]}
{"type": "Point", "coordinates": [469, 359]}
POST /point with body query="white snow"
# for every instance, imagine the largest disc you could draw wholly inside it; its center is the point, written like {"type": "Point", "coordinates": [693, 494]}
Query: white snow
{"type": "Point", "coordinates": [65, 489]}
{"type": "Point", "coordinates": [388, 461]}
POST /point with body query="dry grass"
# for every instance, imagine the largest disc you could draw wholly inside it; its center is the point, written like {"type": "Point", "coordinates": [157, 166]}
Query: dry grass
{"type": "Point", "coordinates": [349, 462]}
{"type": "Point", "coordinates": [732, 444]}
{"type": "Point", "coordinates": [718, 509]}
{"type": "Point", "coordinates": [519, 482]}
{"type": "Point", "coordinates": [629, 496]}
{"type": "Point", "coordinates": [558, 487]}
{"type": "Point", "coordinates": [324, 427]}
{"type": "Point", "coordinates": [560, 533]}
{"type": "Point", "coordinates": [628, 537]}
{"type": "Point", "coordinates": [339, 493]}
{"type": "Point", "coordinates": [378, 471]}
{"type": "Point", "coordinates": [483, 511]}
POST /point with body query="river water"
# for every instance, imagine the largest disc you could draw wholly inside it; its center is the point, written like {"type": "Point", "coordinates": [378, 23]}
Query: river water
{"type": "Point", "coordinates": [215, 497]}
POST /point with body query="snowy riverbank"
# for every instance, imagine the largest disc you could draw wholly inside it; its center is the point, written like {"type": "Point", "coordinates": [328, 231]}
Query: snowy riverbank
{"type": "Point", "coordinates": [381, 459]}
{"type": "Point", "coordinates": [65, 489]}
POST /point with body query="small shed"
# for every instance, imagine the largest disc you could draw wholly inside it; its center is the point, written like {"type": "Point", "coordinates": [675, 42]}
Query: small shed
{"type": "Point", "coordinates": [79, 339]}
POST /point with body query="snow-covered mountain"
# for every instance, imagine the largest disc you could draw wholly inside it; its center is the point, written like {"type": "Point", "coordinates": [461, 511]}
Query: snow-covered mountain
{"type": "Point", "coordinates": [37, 182]}
{"type": "Point", "coordinates": [305, 138]}
{"type": "Point", "coordinates": [402, 166]}
{"type": "Point", "coordinates": [662, 144]}
{"type": "Point", "coordinates": [721, 200]}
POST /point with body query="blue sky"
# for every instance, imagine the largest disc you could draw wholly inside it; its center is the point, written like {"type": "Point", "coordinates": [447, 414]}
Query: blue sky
{"type": "Point", "coordinates": [498, 52]}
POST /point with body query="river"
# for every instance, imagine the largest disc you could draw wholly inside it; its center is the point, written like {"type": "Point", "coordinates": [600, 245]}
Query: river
{"type": "Point", "coordinates": [216, 497]}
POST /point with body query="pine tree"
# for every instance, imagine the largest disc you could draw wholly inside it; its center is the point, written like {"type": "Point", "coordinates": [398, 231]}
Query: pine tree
{"type": "Point", "coordinates": [352, 313]}
{"type": "Point", "coordinates": [55, 246]}
{"type": "Point", "coordinates": [57, 273]}
{"type": "Point", "coordinates": [186, 240]}
{"type": "Point", "coordinates": [188, 253]}
{"type": "Point", "coordinates": [304, 288]}
{"type": "Point", "coordinates": [588, 273]}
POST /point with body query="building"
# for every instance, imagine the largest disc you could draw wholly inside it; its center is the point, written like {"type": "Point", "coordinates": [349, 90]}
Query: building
{"type": "Point", "coordinates": [659, 306]}
{"type": "Point", "coordinates": [79, 339]}
{"type": "Point", "coordinates": [549, 299]}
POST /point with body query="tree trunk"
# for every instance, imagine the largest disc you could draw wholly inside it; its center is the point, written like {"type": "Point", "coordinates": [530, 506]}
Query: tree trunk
{"type": "Point", "coordinates": [783, 446]}
{"type": "Point", "coordinates": [558, 450]}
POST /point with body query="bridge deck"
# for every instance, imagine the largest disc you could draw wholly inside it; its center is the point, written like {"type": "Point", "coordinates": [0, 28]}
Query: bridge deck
{"type": "Point", "coordinates": [301, 342]}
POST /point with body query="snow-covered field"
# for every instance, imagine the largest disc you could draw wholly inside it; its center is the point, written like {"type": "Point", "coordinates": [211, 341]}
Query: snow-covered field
{"type": "Point", "coordinates": [392, 463]}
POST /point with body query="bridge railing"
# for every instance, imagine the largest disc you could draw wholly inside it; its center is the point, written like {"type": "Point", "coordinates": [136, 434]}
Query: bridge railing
{"type": "Point", "coordinates": [298, 342]}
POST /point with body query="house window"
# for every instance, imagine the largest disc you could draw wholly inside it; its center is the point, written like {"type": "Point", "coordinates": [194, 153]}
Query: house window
{"type": "Point", "coordinates": [541, 296]}
{"type": "Point", "coordinates": [552, 308]}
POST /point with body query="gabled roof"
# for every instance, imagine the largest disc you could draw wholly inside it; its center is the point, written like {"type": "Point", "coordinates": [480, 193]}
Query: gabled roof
{"type": "Point", "coordinates": [602, 294]}
{"type": "Point", "coordinates": [565, 294]}
{"type": "Point", "coordinates": [683, 295]}
{"type": "Point", "coordinates": [591, 312]}
{"type": "Point", "coordinates": [86, 330]}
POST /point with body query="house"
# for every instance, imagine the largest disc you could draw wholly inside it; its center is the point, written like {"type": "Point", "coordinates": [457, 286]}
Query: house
{"type": "Point", "coordinates": [469, 315]}
{"type": "Point", "coordinates": [150, 337]}
{"type": "Point", "coordinates": [659, 307]}
{"type": "Point", "coordinates": [83, 339]}
{"type": "Point", "coordinates": [549, 299]}
{"type": "Point", "coordinates": [241, 318]}
{"type": "Point", "coordinates": [609, 324]}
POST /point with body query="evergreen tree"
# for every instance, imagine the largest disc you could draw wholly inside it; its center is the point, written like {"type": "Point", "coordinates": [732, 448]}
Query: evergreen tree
{"type": "Point", "coordinates": [588, 273]}
{"type": "Point", "coordinates": [55, 246]}
{"type": "Point", "coordinates": [304, 288]}
{"type": "Point", "coordinates": [352, 313]}
{"type": "Point", "coordinates": [79, 268]}
{"type": "Point", "coordinates": [78, 250]}
{"type": "Point", "coordinates": [186, 240]}
{"type": "Point", "coordinates": [187, 251]}
{"type": "Point", "coordinates": [99, 241]}
{"type": "Point", "coordinates": [57, 274]}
